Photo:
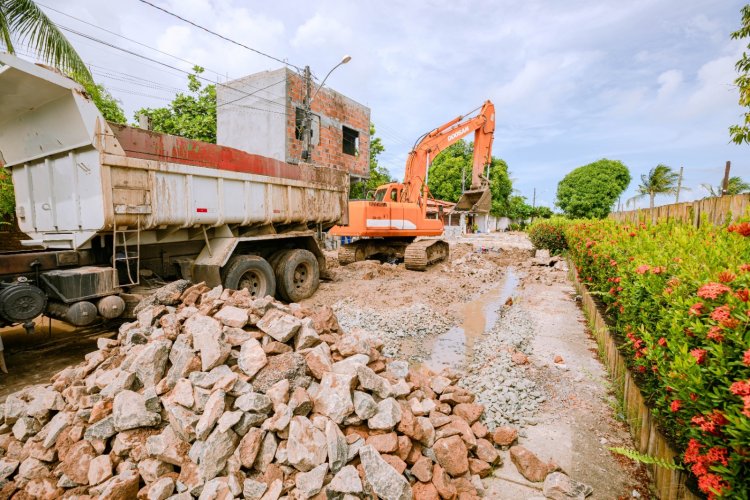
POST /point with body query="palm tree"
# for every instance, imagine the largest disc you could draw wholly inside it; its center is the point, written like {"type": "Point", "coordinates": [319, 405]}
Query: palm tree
{"type": "Point", "coordinates": [24, 20]}
{"type": "Point", "coordinates": [660, 180]}
{"type": "Point", "coordinates": [735, 186]}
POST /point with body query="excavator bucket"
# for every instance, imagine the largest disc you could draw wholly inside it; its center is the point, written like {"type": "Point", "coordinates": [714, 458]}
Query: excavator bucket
{"type": "Point", "coordinates": [478, 201]}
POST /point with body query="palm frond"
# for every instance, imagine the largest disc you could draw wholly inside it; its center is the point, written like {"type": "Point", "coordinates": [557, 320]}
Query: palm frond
{"type": "Point", "coordinates": [5, 30]}
{"type": "Point", "coordinates": [28, 22]}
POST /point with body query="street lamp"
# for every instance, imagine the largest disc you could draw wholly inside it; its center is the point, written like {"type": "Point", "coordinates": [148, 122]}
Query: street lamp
{"type": "Point", "coordinates": [307, 124]}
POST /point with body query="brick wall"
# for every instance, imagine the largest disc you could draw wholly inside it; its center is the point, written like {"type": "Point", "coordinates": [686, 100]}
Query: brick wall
{"type": "Point", "coordinates": [334, 111]}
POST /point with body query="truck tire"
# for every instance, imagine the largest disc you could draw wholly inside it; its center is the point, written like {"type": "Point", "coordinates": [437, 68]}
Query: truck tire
{"type": "Point", "coordinates": [250, 272]}
{"type": "Point", "coordinates": [297, 275]}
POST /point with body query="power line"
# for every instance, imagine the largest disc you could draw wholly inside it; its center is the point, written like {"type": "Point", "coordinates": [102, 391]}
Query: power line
{"type": "Point", "coordinates": [221, 36]}
{"type": "Point", "coordinates": [126, 38]}
{"type": "Point", "coordinates": [252, 93]}
{"type": "Point", "coordinates": [103, 42]}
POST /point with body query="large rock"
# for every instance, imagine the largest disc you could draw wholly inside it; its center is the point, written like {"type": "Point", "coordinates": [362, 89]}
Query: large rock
{"type": "Point", "coordinates": [249, 447]}
{"type": "Point", "coordinates": [151, 363]}
{"type": "Point", "coordinates": [504, 436]}
{"type": "Point", "coordinates": [206, 333]}
{"type": "Point", "coordinates": [451, 454]}
{"type": "Point", "coordinates": [319, 360]}
{"type": "Point", "coordinates": [129, 412]}
{"type": "Point", "coordinates": [364, 405]}
{"type": "Point", "coordinates": [529, 465]}
{"type": "Point", "coordinates": [218, 447]}
{"type": "Point", "coordinates": [232, 316]}
{"type": "Point", "coordinates": [212, 411]}
{"type": "Point", "coordinates": [254, 402]}
{"type": "Point", "coordinates": [337, 448]}
{"type": "Point", "coordinates": [290, 366]}
{"type": "Point", "coordinates": [77, 461]}
{"type": "Point", "coordinates": [387, 416]}
{"type": "Point", "coordinates": [334, 398]}
{"type": "Point", "coordinates": [310, 483]}
{"type": "Point", "coordinates": [558, 486]}
{"type": "Point", "coordinates": [346, 481]}
{"type": "Point", "coordinates": [307, 447]}
{"type": "Point", "coordinates": [252, 357]}
{"type": "Point", "coordinates": [373, 382]}
{"type": "Point", "coordinates": [382, 478]}
{"type": "Point", "coordinates": [281, 327]}
{"type": "Point", "coordinates": [469, 411]}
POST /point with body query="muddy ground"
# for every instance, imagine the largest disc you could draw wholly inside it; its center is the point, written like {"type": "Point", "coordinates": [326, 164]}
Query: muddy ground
{"type": "Point", "coordinates": [514, 328]}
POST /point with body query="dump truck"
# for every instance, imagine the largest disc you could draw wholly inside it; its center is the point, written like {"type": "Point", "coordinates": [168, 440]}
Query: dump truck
{"type": "Point", "coordinates": [105, 204]}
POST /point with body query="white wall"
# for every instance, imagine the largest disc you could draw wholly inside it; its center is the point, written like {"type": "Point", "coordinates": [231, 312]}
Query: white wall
{"type": "Point", "coordinates": [250, 122]}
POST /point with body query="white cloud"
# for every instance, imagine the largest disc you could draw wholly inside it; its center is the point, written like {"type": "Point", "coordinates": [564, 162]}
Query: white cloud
{"type": "Point", "coordinates": [319, 31]}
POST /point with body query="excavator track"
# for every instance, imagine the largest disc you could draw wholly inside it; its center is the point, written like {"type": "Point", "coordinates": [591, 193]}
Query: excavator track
{"type": "Point", "coordinates": [349, 253]}
{"type": "Point", "coordinates": [423, 253]}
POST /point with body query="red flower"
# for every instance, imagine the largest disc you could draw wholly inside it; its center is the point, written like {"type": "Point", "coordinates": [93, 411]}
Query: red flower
{"type": "Point", "coordinates": [743, 295]}
{"type": "Point", "coordinates": [741, 388]}
{"type": "Point", "coordinates": [746, 358]}
{"type": "Point", "coordinates": [658, 269]}
{"type": "Point", "coordinates": [632, 235]}
{"type": "Point", "coordinates": [721, 313]}
{"type": "Point", "coordinates": [713, 485]}
{"type": "Point", "coordinates": [718, 454]}
{"type": "Point", "coordinates": [730, 323]}
{"type": "Point", "coordinates": [662, 342]}
{"type": "Point", "coordinates": [693, 396]}
{"type": "Point", "coordinates": [676, 405]}
{"type": "Point", "coordinates": [743, 228]}
{"type": "Point", "coordinates": [715, 334]}
{"type": "Point", "coordinates": [727, 277]}
{"type": "Point", "coordinates": [641, 369]}
{"type": "Point", "coordinates": [613, 263]}
{"type": "Point", "coordinates": [745, 268]}
{"type": "Point", "coordinates": [642, 269]}
{"type": "Point", "coordinates": [699, 355]}
{"type": "Point", "coordinates": [695, 309]}
{"type": "Point", "coordinates": [693, 451]}
{"type": "Point", "coordinates": [712, 290]}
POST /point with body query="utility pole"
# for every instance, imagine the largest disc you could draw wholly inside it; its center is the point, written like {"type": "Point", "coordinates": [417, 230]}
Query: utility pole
{"type": "Point", "coordinates": [679, 186]}
{"type": "Point", "coordinates": [533, 205]}
{"type": "Point", "coordinates": [725, 184]}
{"type": "Point", "coordinates": [307, 120]}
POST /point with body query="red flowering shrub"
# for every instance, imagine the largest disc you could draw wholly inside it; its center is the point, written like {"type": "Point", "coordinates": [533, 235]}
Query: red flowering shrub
{"type": "Point", "coordinates": [549, 235]}
{"type": "Point", "coordinates": [679, 300]}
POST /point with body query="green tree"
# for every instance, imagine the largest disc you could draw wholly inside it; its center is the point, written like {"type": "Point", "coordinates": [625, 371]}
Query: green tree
{"type": "Point", "coordinates": [108, 105]}
{"type": "Point", "coordinates": [735, 186]}
{"type": "Point", "coordinates": [741, 133]}
{"type": "Point", "coordinates": [590, 190]}
{"type": "Point", "coordinates": [542, 212]}
{"type": "Point", "coordinates": [191, 115]}
{"type": "Point", "coordinates": [7, 198]}
{"type": "Point", "coordinates": [660, 180]}
{"type": "Point", "coordinates": [518, 209]}
{"type": "Point", "coordinates": [379, 174]}
{"type": "Point", "coordinates": [454, 163]}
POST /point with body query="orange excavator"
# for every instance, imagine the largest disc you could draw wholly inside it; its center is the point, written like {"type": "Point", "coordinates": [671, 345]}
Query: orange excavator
{"type": "Point", "coordinates": [389, 224]}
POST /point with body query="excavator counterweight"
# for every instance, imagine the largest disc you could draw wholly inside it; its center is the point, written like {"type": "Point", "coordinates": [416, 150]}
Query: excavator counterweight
{"type": "Point", "coordinates": [389, 224]}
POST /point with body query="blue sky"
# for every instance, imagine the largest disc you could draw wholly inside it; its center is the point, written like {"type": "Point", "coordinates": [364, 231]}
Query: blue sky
{"type": "Point", "coordinates": [642, 81]}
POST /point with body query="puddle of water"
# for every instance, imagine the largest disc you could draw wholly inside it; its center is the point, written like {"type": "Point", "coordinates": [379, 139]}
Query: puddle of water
{"type": "Point", "coordinates": [455, 347]}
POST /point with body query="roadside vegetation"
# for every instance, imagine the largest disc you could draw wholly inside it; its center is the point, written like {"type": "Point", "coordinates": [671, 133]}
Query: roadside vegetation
{"type": "Point", "coordinates": [677, 297]}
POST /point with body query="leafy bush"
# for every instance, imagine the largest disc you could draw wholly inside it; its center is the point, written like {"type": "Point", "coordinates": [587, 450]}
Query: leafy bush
{"type": "Point", "coordinates": [549, 235]}
{"type": "Point", "coordinates": [677, 297]}
{"type": "Point", "coordinates": [589, 191]}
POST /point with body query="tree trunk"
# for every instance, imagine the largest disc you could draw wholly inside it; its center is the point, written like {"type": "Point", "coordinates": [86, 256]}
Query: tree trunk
{"type": "Point", "coordinates": [652, 195]}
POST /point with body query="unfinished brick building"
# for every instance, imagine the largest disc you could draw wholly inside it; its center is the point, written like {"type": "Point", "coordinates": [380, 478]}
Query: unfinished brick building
{"type": "Point", "coordinates": [262, 114]}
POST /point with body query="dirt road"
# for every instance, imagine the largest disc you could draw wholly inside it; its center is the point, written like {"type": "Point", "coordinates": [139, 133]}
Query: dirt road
{"type": "Point", "coordinates": [487, 312]}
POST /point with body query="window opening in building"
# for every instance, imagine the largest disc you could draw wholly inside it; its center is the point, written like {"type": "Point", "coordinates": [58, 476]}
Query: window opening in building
{"type": "Point", "coordinates": [350, 144]}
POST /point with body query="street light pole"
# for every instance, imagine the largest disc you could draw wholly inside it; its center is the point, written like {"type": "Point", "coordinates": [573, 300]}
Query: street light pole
{"type": "Point", "coordinates": [307, 105]}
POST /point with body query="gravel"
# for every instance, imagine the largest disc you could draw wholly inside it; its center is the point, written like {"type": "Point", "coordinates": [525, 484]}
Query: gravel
{"type": "Point", "coordinates": [395, 327]}
{"type": "Point", "coordinates": [504, 387]}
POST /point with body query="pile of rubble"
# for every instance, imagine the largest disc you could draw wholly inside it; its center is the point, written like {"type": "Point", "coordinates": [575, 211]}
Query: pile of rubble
{"type": "Point", "coordinates": [214, 394]}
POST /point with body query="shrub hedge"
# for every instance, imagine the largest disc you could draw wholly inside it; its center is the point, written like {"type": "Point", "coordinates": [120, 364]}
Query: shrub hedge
{"type": "Point", "coordinates": [677, 297]}
{"type": "Point", "coordinates": [549, 235]}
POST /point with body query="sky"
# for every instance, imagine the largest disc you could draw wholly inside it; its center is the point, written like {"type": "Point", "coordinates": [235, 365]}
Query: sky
{"type": "Point", "coordinates": [642, 81]}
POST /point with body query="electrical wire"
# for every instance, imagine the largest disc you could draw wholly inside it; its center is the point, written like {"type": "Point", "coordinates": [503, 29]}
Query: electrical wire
{"type": "Point", "coordinates": [220, 35]}
{"type": "Point", "coordinates": [125, 38]}
{"type": "Point", "coordinates": [103, 42]}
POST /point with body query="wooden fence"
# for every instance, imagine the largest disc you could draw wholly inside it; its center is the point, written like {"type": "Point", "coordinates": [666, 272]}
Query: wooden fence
{"type": "Point", "coordinates": [715, 211]}
{"type": "Point", "coordinates": [669, 484]}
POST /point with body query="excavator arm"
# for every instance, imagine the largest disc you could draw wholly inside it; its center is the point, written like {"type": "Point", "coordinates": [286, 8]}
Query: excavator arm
{"type": "Point", "coordinates": [432, 143]}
